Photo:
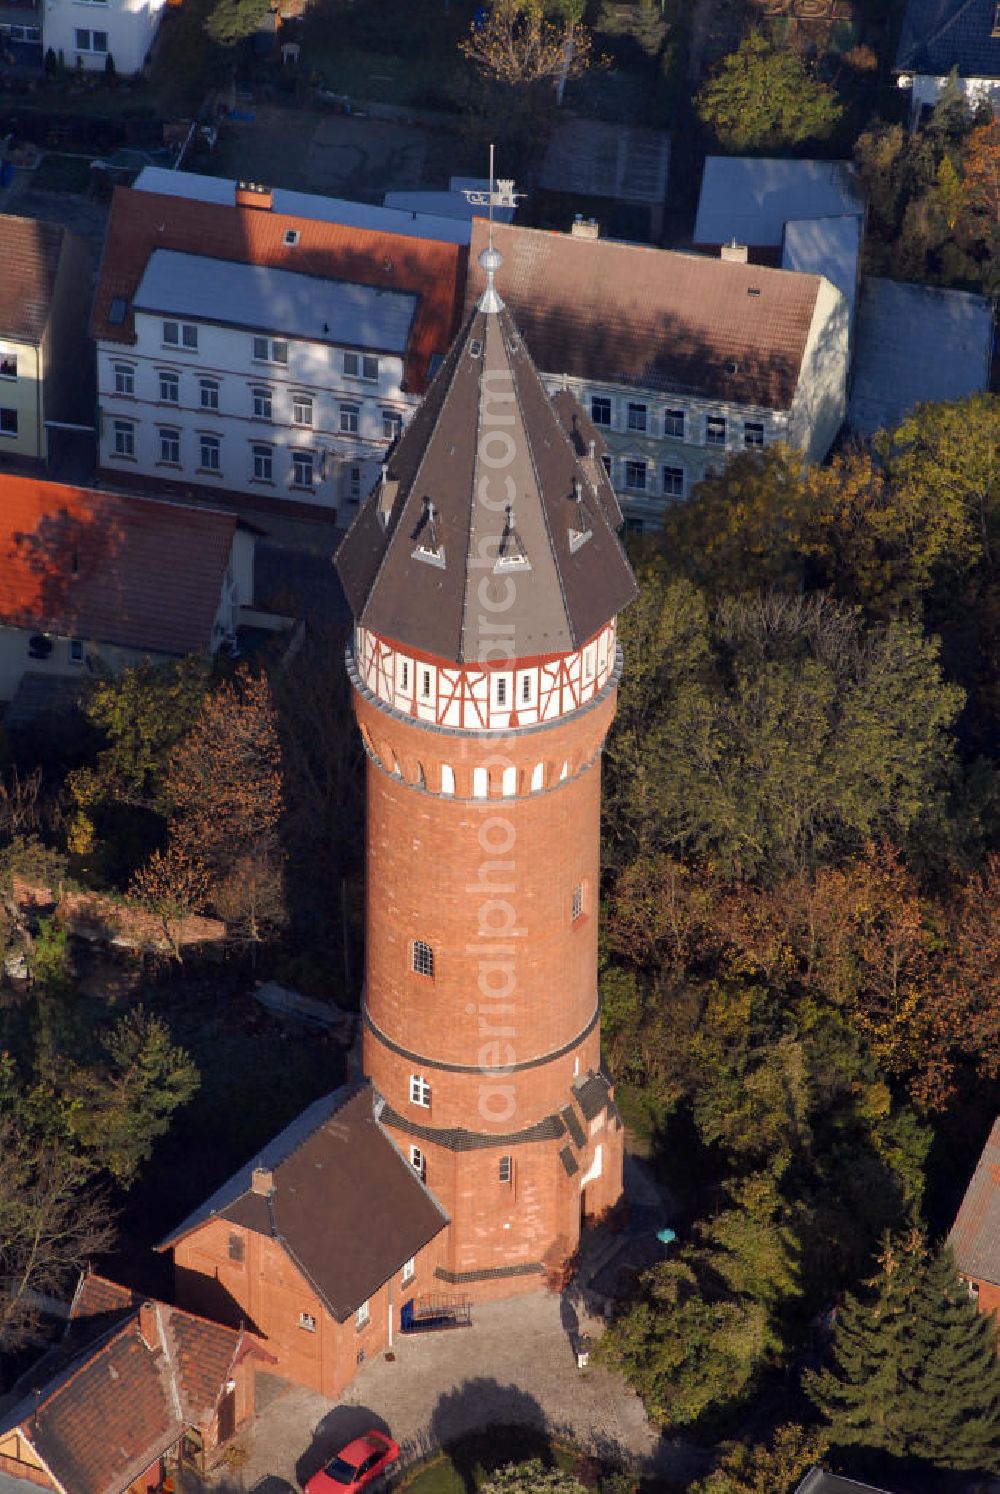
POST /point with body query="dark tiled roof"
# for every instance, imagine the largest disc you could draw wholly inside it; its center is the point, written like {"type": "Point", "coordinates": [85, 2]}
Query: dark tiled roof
{"type": "Point", "coordinates": [110, 568]}
{"type": "Point", "coordinates": [568, 1161]}
{"type": "Point", "coordinates": [29, 253]}
{"type": "Point", "coordinates": [565, 592]}
{"type": "Point", "coordinates": [818, 1481]}
{"type": "Point", "coordinates": [592, 1095]}
{"type": "Point", "coordinates": [975, 1235]}
{"type": "Point", "coordinates": [573, 1126]}
{"type": "Point", "coordinates": [612, 313]}
{"type": "Point", "coordinates": [96, 1296]}
{"type": "Point", "coordinates": [492, 1273]}
{"type": "Point", "coordinates": [203, 1354]}
{"type": "Point", "coordinates": [329, 1159]}
{"type": "Point", "coordinates": [143, 221]}
{"type": "Point", "coordinates": [938, 35]}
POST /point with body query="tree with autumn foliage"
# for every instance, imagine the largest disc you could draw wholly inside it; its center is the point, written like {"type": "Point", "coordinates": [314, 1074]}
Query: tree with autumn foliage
{"type": "Point", "coordinates": [225, 787]}
{"type": "Point", "coordinates": [521, 43]}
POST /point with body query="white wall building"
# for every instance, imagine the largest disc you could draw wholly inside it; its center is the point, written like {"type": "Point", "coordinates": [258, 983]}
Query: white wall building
{"type": "Point", "coordinates": [941, 39]}
{"type": "Point", "coordinates": [86, 33]}
{"type": "Point", "coordinates": [256, 354]}
{"type": "Point", "coordinates": [679, 360]}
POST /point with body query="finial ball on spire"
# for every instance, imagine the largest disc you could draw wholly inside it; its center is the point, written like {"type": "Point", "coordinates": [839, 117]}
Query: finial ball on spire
{"type": "Point", "coordinates": [491, 259]}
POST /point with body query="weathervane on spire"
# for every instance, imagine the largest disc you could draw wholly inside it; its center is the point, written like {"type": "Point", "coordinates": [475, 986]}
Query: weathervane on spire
{"type": "Point", "coordinates": [500, 194]}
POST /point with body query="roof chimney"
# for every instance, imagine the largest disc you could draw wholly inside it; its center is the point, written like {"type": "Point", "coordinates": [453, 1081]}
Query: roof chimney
{"type": "Point", "coordinates": [149, 1325]}
{"type": "Point", "coordinates": [735, 254]}
{"type": "Point", "coordinates": [585, 228]}
{"type": "Point", "coordinates": [262, 1181]}
{"type": "Point", "coordinates": [254, 195]}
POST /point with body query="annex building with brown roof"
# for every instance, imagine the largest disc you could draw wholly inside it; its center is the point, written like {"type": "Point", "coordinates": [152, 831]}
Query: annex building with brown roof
{"type": "Point", "coordinates": [44, 349]}
{"type": "Point", "coordinates": [250, 346]}
{"type": "Point", "coordinates": [314, 1243]}
{"type": "Point", "coordinates": [135, 1388]}
{"type": "Point", "coordinates": [679, 359]}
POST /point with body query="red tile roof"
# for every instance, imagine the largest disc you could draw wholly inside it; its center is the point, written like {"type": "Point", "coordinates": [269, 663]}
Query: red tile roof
{"type": "Point", "coordinates": [110, 568]}
{"type": "Point", "coordinates": [29, 253]}
{"type": "Point", "coordinates": [143, 221]}
{"type": "Point", "coordinates": [975, 1235]}
{"type": "Point", "coordinates": [96, 1295]}
{"type": "Point", "coordinates": [626, 314]}
{"type": "Point", "coordinates": [125, 1401]}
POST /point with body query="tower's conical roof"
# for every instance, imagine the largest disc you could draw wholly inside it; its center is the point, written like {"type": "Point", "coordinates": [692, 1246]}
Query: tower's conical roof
{"type": "Point", "coordinates": [495, 518]}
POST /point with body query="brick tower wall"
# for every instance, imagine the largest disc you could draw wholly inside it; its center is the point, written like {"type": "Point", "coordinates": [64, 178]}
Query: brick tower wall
{"type": "Point", "coordinates": [508, 1020]}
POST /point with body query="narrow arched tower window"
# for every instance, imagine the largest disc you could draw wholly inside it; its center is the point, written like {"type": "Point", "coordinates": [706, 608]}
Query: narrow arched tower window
{"type": "Point", "coordinates": [423, 958]}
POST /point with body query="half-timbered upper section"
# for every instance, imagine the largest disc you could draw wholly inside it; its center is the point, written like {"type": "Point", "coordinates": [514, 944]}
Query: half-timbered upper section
{"type": "Point", "coordinates": [504, 696]}
{"type": "Point", "coordinates": [490, 541]}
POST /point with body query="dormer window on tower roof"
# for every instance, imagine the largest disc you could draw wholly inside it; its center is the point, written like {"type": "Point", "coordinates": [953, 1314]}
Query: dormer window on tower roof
{"type": "Point", "coordinates": [511, 553]}
{"type": "Point", "coordinates": [429, 546]}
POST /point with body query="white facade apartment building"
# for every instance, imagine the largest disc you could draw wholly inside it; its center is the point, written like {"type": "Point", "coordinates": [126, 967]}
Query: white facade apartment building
{"type": "Point", "coordinates": [253, 379]}
{"type": "Point", "coordinates": [240, 350]}
{"type": "Point", "coordinates": [679, 360]}
{"type": "Point", "coordinates": [85, 33]}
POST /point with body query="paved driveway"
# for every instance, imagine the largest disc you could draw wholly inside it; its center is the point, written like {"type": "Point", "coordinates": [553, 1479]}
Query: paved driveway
{"type": "Point", "coordinates": [514, 1366]}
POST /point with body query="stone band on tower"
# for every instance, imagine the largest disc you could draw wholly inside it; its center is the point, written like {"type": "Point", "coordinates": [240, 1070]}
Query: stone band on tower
{"type": "Point", "coordinates": [485, 576]}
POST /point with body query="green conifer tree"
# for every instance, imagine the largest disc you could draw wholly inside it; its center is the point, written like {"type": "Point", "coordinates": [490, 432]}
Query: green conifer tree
{"type": "Point", "coordinates": [915, 1369]}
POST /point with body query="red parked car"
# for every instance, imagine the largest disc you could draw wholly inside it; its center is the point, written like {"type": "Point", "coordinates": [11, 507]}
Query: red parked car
{"type": "Point", "coordinates": [356, 1466]}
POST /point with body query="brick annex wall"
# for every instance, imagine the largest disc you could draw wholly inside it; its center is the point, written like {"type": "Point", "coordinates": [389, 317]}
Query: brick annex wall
{"type": "Point", "coordinates": [268, 1293]}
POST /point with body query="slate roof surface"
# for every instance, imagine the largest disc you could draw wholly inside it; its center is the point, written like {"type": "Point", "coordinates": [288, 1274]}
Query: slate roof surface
{"type": "Point", "coordinates": [423, 581]}
{"type": "Point", "coordinates": [818, 1481]}
{"type": "Point", "coordinates": [751, 198]}
{"type": "Point", "coordinates": [975, 1235]}
{"type": "Point", "coordinates": [110, 567]}
{"type": "Point", "coordinates": [938, 35]}
{"type": "Point", "coordinates": [278, 301]}
{"type": "Point", "coordinates": [103, 1422]}
{"type": "Point", "coordinates": [29, 254]}
{"type": "Point", "coordinates": [592, 1095]}
{"type": "Point", "coordinates": [142, 222]}
{"type": "Point", "coordinates": [615, 313]}
{"type": "Point", "coordinates": [915, 343]}
{"type": "Point", "coordinates": [331, 1156]}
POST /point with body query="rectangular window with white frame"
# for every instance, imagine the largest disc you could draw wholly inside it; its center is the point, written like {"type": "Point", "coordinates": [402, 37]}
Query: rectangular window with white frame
{"type": "Point", "coordinates": [420, 1091]}
{"type": "Point", "coordinates": [8, 365]}
{"type": "Point", "coordinates": [262, 462]}
{"type": "Point", "coordinates": [209, 393]}
{"type": "Point", "coordinates": [180, 334]}
{"type": "Point", "coordinates": [673, 482]}
{"type": "Point", "coordinates": [302, 469]}
{"type": "Point", "coordinates": [262, 403]}
{"type": "Point", "coordinates": [715, 430]}
{"type": "Point", "coordinates": [125, 379]}
{"type": "Point", "coordinates": [350, 419]}
{"type": "Point", "coordinates": [600, 409]}
{"type": "Point", "coordinates": [91, 41]}
{"type": "Point", "coordinates": [673, 424]}
{"type": "Point", "coordinates": [753, 433]}
{"type": "Point", "coordinates": [361, 366]}
{"type": "Point", "coordinates": [505, 1170]}
{"type": "Point", "coordinates": [408, 1272]}
{"type": "Point", "coordinates": [170, 446]}
{"type": "Point", "coordinates": [363, 1316]}
{"type": "Point", "coordinates": [123, 439]}
{"type": "Point", "coordinates": [170, 387]}
{"type": "Point", "coordinates": [418, 1161]}
{"type": "Point", "coordinates": [8, 421]}
{"type": "Point", "coordinates": [269, 350]}
{"type": "Point", "coordinates": [302, 409]}
{"type": "Point", "coordinates": [637, 416]}
{"type": "Point", "coordinates": [210, 452]}
{"type": "Point", "coordinates": [635, 476]}
{"type": "Point", "coordinates": [392, 425]}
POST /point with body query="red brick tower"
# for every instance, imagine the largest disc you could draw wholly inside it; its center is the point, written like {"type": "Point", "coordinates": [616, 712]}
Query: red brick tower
{"type": "Point", "coordinates": [485, 576]}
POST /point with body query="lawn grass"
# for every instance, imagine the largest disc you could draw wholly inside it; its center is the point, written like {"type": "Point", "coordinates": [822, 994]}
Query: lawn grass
{"type": "Point", "coordinates": [467, 1463]}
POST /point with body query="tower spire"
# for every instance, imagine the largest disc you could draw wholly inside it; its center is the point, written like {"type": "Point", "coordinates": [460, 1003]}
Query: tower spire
{"type": "Point", "coordinates": [491, 259]}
